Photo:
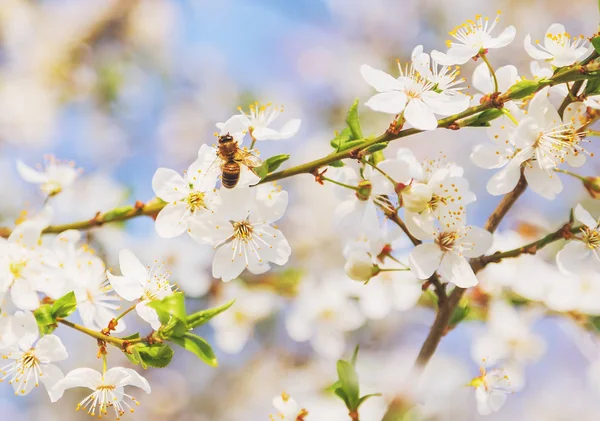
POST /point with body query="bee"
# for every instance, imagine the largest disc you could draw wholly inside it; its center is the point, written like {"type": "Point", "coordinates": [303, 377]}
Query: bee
{"type": "Point", "coordinates": [232, 158]}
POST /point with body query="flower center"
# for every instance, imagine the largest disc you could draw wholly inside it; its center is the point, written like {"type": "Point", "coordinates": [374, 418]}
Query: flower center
{"type": "Point", "coordinates": [446, 240]}
{"type": "Point", "coordinates": [243, 230]}
{"type": "Point", "coordinates": [16, 268]}
{"type": "Point", "coordinates": [28, 360]}
{"type": "Point", "coordinates": [436, 201]}
{"type": "Point", "coordinates": [195, 201]}
{"type": "Point", "coordinates": [591, 237]}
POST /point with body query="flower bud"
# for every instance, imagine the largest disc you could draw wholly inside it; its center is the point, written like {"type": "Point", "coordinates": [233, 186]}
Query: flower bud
{"type": "Point", "coordinates": [360, 267]}
{"type": "Point", "coordinates": [592, 185]}
{"type": "Point", "coordinates": [416, 197]}
{"type": "Point", "coordinates": [364, 190]}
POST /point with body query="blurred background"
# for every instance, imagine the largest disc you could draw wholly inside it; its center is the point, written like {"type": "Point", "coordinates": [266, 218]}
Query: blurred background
{"type": "Point", "coordinates": [124, 87]}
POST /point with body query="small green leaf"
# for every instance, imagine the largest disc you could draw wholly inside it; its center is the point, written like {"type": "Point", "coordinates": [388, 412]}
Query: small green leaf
{"type": "Point", "coordinates": [596, 43]}
{"type": "Point", "coordinates": [523, 88]}
{"type": "Point", "coordinates": [354, 356]}
{"type": "Point", "coordinates": [270, 164]}
{"type": "Point", "coordinates": [351, 144]}
{"type": "Point", "coordinates": [592, 87]}
{"type": "Point", "coordinates": [173, 304]}
{"type": "Point", "coordinates": [364, 398]}
{"type": "Point", "coordinates": [64, 306]}
{"type": "Point", "coordinates": [157, 355]}
{"type": "Point", "coordinates": [201, 317]}
{"type": "Point", "coordinates": [349, 382]}
{"type": "Point", "coordinates": [482, 119]}
{"type": "Point", "coordinates": [44, 318]}
{"type": "Point", "coordinates": [353, 122]}
{"type": "Point", "coordinates": [337, 164]}
{"type": "Point", "coordinates": [340, 392]}
{"type": "Point", "coordinates": [458, 315]}
{"type": "Point", "coordinates": [198, 346]}
{"type": "Point", "coordinates": [344, 136]}
{"type": "Point", "coordinates": [376, 148]}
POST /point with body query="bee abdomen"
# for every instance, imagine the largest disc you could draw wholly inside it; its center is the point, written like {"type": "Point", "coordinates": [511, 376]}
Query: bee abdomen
{"type": "Point", "coordinates": [230, 175]}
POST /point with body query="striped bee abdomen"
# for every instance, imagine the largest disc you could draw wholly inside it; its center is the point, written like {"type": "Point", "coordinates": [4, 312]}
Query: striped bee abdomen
{"type": "Point", "coordinates": [230, 174]}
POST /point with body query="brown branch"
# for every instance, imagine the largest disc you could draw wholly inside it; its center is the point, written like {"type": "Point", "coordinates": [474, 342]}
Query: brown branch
{"type": "Point", "coordinates": [440, 325]}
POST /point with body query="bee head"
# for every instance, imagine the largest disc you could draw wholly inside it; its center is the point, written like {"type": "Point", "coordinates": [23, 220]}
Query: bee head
{"type": "Point", "coordinates": [225, 138]}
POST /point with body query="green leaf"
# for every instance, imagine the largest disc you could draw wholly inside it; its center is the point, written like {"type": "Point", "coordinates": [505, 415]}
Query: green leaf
{"type": "Point", "coordinates": [364, 398]}
{"type": "Point", "coordinates": [340, 392]}
{"type": "Point", "coordinates": [349, 382]}
{"type": "Point", "coordinates": [523, 88]}
{"type": "Point", "coordinates": [201, 317]}
{"type": "Point", "coordinates": [344, 136]}
{"type": "Point", "coordinates": [198, 346]}
{"type": "Point", "coordinates": [592, 87]}
{"type": "Point", "coordinates": [351, 144]}
{"type": "Point", "coordinates": [482, 119]}
{"type": "Point", "coordinates": [458, 315]}
{"type": "Point", "coordinates": [596, 43]}
{"type": "Point", "coordinates": [354, 356]}
{"type": "Point", "coordinates": [376, 148]}
{"type": "Point", "coordinates": [173, 304]}
{"type": "Point", "coordinates": [337, 164]}
{"type": "Point", "coordinates": [44, 318]}
{"type": "Point", "coordinates": [157, 355]}
{"type": "Point", "coordinates": [64, 306]}
{"type": "Point", "coordinates": [353, 122]}
{"type": "Point", "coordinates": [270, 164]}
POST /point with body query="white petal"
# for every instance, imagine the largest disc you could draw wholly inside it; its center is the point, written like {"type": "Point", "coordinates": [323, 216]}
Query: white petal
{"type": "Point", "coordinates": [228, 264]}
{"type": "Point", "coordinates": [507, 76]}
{"type": "Point", "coordinates": [128, 288]}
{"type": "Point", "coordinates": [209, 230]}
{"type": "Point", "coordinates": [573, 256]}
{"type": "Point", "coordinates": [584, 216]}
{"type": "Point", "coordinates": [276, 249]}
{"type": "Point", "coordinates": [535, 52]}
{"type": "Point", "coordinates": [455, 268]}
{"type": "Point", "coordinates": [80, 377]}
{"type": "Point", "coordinates": [482, 79]}
{"type": "Point", "coordinates": [392, 102]}
{"type": "Point", "coordinates": [29, 174]}
{"type": "Point", "coordinates": [480, 239]}
{"type": "Point", "coordinates": [457, 54]}
{"type": "Point", "coordinates": [545, 183]}
{"type": "Point", "coordinates": [131, 266]}
{"type": "Point", "coordinates": [505, 180]}
{"type": "Point", "coordinates": [50, 377]}
{"type": "Point", "coordinates": [502, 40]}
{"type": "Point", "coordinates": [134, 379]}
{"type": "Point", "coordinates": [446, 104]}
{"type": "Point", "coordinates": [488, 156]}
{"type": "Point", "coordinates": [169, 185]}
{"type": "Point", "coordinates": [234, 125]}
{"type": "Point", "coordinates": [171, 221]}
{"type": "Point", "coordinates": [379, 79]}
{"type": "Point", "coordinates": [24, 295]}
{"type": "Point", "coordinates": [148, 314]}
{"type": "Point", "coordinates": [425, 259]}
{"type": "Point", "coordinates": [50, 349]}
{"type": "Point", "coordinates": [419, 115]}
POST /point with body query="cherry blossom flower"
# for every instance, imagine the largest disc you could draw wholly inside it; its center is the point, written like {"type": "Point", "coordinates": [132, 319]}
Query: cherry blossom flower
{"type": "Point", "coordinates": [54, 178]}
{"type": "Point", "coordinates": [29, 361]}
{"type": "Point", "coordinates": [509, 340]}
{"type": "Point", "coordinates": [418, 93]}
{"type": "Point", "coordinates": [108, 389]}
{"type": "Point", "coordinates": [234, 327]}
{"type": "Point", "coordinates": [138, 282]}
{"type": "Point", "coordinates": [541, 141]}
{"type": "Point", "coordinates": [473, 38]}
{"type": "Point", "coordinates": [95, 302]}
{"type": "Point", "coordinates": [288, 409]}
{"type": "Point", "coordinates": [584, 248]}
{"type": "Point", "coordinates": [491, 389]}
{"type": "Point", "coordinates": [187, 196]}
{"type": "Point", "coordinates": [577, 290]}
{"type": "Point", "coordinates": [242, 231]}
{"type": "Point", "coordinates": [505, 75]}
{"type": "Point", "coordinates": [322, 312]}
{"type": "Point", "coordinates": [257, 123]}
{"type": "Point", "coordinates": [448, 254]}
{"type": "Point", "coordinates": [558, 48]}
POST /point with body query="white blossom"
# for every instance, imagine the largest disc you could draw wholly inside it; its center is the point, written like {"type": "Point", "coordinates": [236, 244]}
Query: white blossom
{"type": "Point", "coordinates": [558, 48]}
{"type": "Point", "coordinates": [28, 362]}
{"type": "Point", "coordinates": [187, 196]}
{"type": "Point", "coordinates": [145, 284]}
{"type": "Point", "coordinates": [108, 389]}
{"type": "Point", "coordinates": [55, 177]}
{"type": "Point", "coordinates": [583, 248]}
{"type": "Point", "coordinates": [242, 231]}
{"type": "Point", "coordinates": [288, 409]}
{"type": "Point", "coordinates": [448, 254]}
{"type": "Point", "coordinates": [418, 93]}
{"type": "Point", "coordinates": [491, 389]}
{"type": "Point", "coordinates": [257, 122]}
{"type": "Point", "coordinates": [472, 38]}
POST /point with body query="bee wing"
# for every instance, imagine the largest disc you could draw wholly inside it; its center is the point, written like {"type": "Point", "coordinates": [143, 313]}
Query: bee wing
{"type": "Point", "coordinates": [249, 159]}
